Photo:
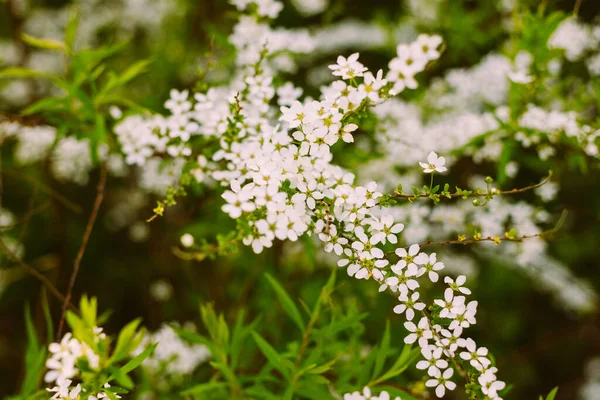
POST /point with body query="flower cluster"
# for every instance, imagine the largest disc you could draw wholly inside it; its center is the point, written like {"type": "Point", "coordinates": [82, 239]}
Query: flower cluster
{"type": "Point", "coordinates": [367, 395]}
{"type": "Point", "coordinates": [281, 182]}
{"type": "Point", "coordinates": [172, 356]}
{"type": "Point", "coordinates": [62, 366]}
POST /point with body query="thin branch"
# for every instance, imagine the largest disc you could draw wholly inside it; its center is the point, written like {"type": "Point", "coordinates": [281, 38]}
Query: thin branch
{"type": "Point", "coordinates": [498, 239]}
{"type": "Point", "coordinates": [84, 241]}
{"type": "Point", "coordinates": [30, 211]}
{"type": "Point", "coordinates": [51, 288]}
{"type": "Point", "coordinates": [46, 189]}
{"type": "Point", "coordinates": [577, 7]}
{"type": "Point", "coordinates": [478, 193]}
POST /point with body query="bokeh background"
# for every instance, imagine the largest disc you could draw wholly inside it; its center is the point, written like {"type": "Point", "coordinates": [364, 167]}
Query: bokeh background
{"type": "Point", "coordinates": [130, 265]}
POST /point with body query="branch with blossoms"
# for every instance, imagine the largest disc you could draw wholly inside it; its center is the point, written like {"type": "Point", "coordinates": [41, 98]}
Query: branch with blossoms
{"type": "Point", "coordinates": [280, 183]}
{"type": "Point", "coordinates": [282, 189]}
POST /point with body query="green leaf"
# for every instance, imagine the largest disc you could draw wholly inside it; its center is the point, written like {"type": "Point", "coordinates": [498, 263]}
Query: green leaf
{"type": "Point", "coordinates": [71, 28]}
{"type": "Point", "coordinates": [120, 376]}
{"type": "Point", "coordinates": [45, 104]}
{"type": "Point", "coordinates": [47, 317]}
{"type": "Point", "coordinates": [191, 337]}
{"type": "Point", "coordinates": [278, 361]}
{"type": "Point", "coordinates": [406, 358]}
{"type": "Point", "coordinates": [35, 358]}
{"type": "Point", "coordinates": [505, 157]}
{"type": "Point", "coordinates": [383, 351]}
{"type": "Point", "coordinates": [98, 137]}
{"type": "Point", "coordinates": [18, 72]}
{"type": "Point", "coordinates": [137, 360]}
{"type": "Point", "coordinates": [115, 81]}
{"type": "Point", "coordinates": [286, 302]}
{"type": "Point", "coordinates": [134, 71]}
{"type": "Point", "coordinates": [126, 342]}
{"type": "Point", "coordinates": [204, 387]}
{"type": "Point", "coordinates": [552, 394]}
{"type": "Point", "coordinates": [48, 44]}
{"type": "Point", "coordinates": [89, 311]}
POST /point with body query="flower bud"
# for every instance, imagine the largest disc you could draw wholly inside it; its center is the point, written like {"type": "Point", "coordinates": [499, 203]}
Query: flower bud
{"type": "Point", "coordinates": [187, 240]}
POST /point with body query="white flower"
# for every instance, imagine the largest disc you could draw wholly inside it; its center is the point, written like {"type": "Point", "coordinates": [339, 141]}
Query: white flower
{"type": "Point", "coordinates": [346, 132]}
{"type": "Point", "coordinates": [433, 164]}
{"type": "Point", "coordinates": [520, 77]}
{"type": "Point", "coordinates": [63, 390]}
{"type": "Point", "coordinates": [403, 281]}
{"type": "Point", "coordinates": [420, 332]}
{"type": "Point", "coordinates": [288, 94]}
{"type": "Point", "coordinates": [432, 355]}
{"type": "Point", "coordinates": [427, 45]}
{"type": "Point", "coordinates": [476, 356]}
{"type": "Point", "coordinates": [440, 381]}
{"type": "Point", "coordinates": [366, 245]}
{"type": "Point", "coordinates": [386, 230]}
{"type": "Point", "coordinates": [370, 88]}
{"type": "Point", "coordinates": [348, 68]}
{"type": "Point", "coordinates": [178, 102]}
{"type": "Point", "coordinates": [238, 200]}
{"type": "Point", "coordinates": [446, 304]}
{"type": "Point", "coordinates": [431, 266]}
{"type": "Point", "coordinates": [409, 304]}
{"type": "Point", "coordinates": [458, 285]}
{"type": "Point", "coordinates": [489, 384]}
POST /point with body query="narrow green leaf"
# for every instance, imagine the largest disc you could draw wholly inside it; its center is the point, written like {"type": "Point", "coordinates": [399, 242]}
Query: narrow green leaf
{"type": "Point", "coordinates": [278, 361]}
{"type": "Point", "coordinates": [71, 28]}
{"type": "Point", "coordinates": [137, 360]}
{"type": "Point", "coordinates": [286, 302]}
{"type": "Point", "coordinates": [35, 357]}
{"type": "Point", "coordinates": [47, 317]}
{"type": "Point", "coordinates": [121, 377]}
{"type": "Point", "coordinates": [48, 44]}
{"type": "Point", "coordinates": [191, 337]}
{"type": "Point", "coordinates": [126, 341]}
{"type": "Point", "coordinates": [552, 394]}
{"type": "Point", "coordinates": [45, 104]}
{"type": "Point", "coordinates": [383, 351]}
{"type": "Point", "coordinates": [204, 387]}
{"type": "Point", "coordinates": [18, 72]}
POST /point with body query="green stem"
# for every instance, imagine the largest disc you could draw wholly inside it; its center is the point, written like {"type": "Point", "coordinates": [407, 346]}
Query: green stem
{"type": "Point", "coordinates": [431, 184]}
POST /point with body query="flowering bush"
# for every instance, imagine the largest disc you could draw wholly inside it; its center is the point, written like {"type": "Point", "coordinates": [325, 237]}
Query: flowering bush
{"type": "Point", "coordinates": [271, 188]}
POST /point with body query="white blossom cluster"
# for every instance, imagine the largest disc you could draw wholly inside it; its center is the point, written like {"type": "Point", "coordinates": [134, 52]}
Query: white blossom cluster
{"type": "Point", "coordinates": [126, 17]}
{"type": "Point", "coordinates": [172, 355]}
{"type": "Point", "coordinates": [275, 165]}
{"type": "Point", "coordinates": [470, 104]}
{"type": "Point", "coordinates": [281, 183]}
{"type": "Point", "coordinates": [367, 395]}
{"type": "Point", "coordinates": [70, 158]}
{"type": "Point", "coordinates": [591, 387]}
{"type": "Point", "coordinates": [574, 37]}
{"type": "Point", "coordinates": [62, 369]}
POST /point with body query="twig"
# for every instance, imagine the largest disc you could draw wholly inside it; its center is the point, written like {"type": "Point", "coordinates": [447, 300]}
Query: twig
{"type": "Point", "coordinates": [48, 190]}
{"type": "Point", "coordinates": [55, 292]}
{"type": "Point", "coordinates": [1, 187]}
{"type": "Point", "coordinates": [498, 239]}
{"type": "Point", "coordinates": [577, 7]}
{"type": "Point", "coordinates": [84, 241]}
{"type": "Point", "coordinates": [30, 211]}
{"type": "Point", "coordinates": [479, 193]}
